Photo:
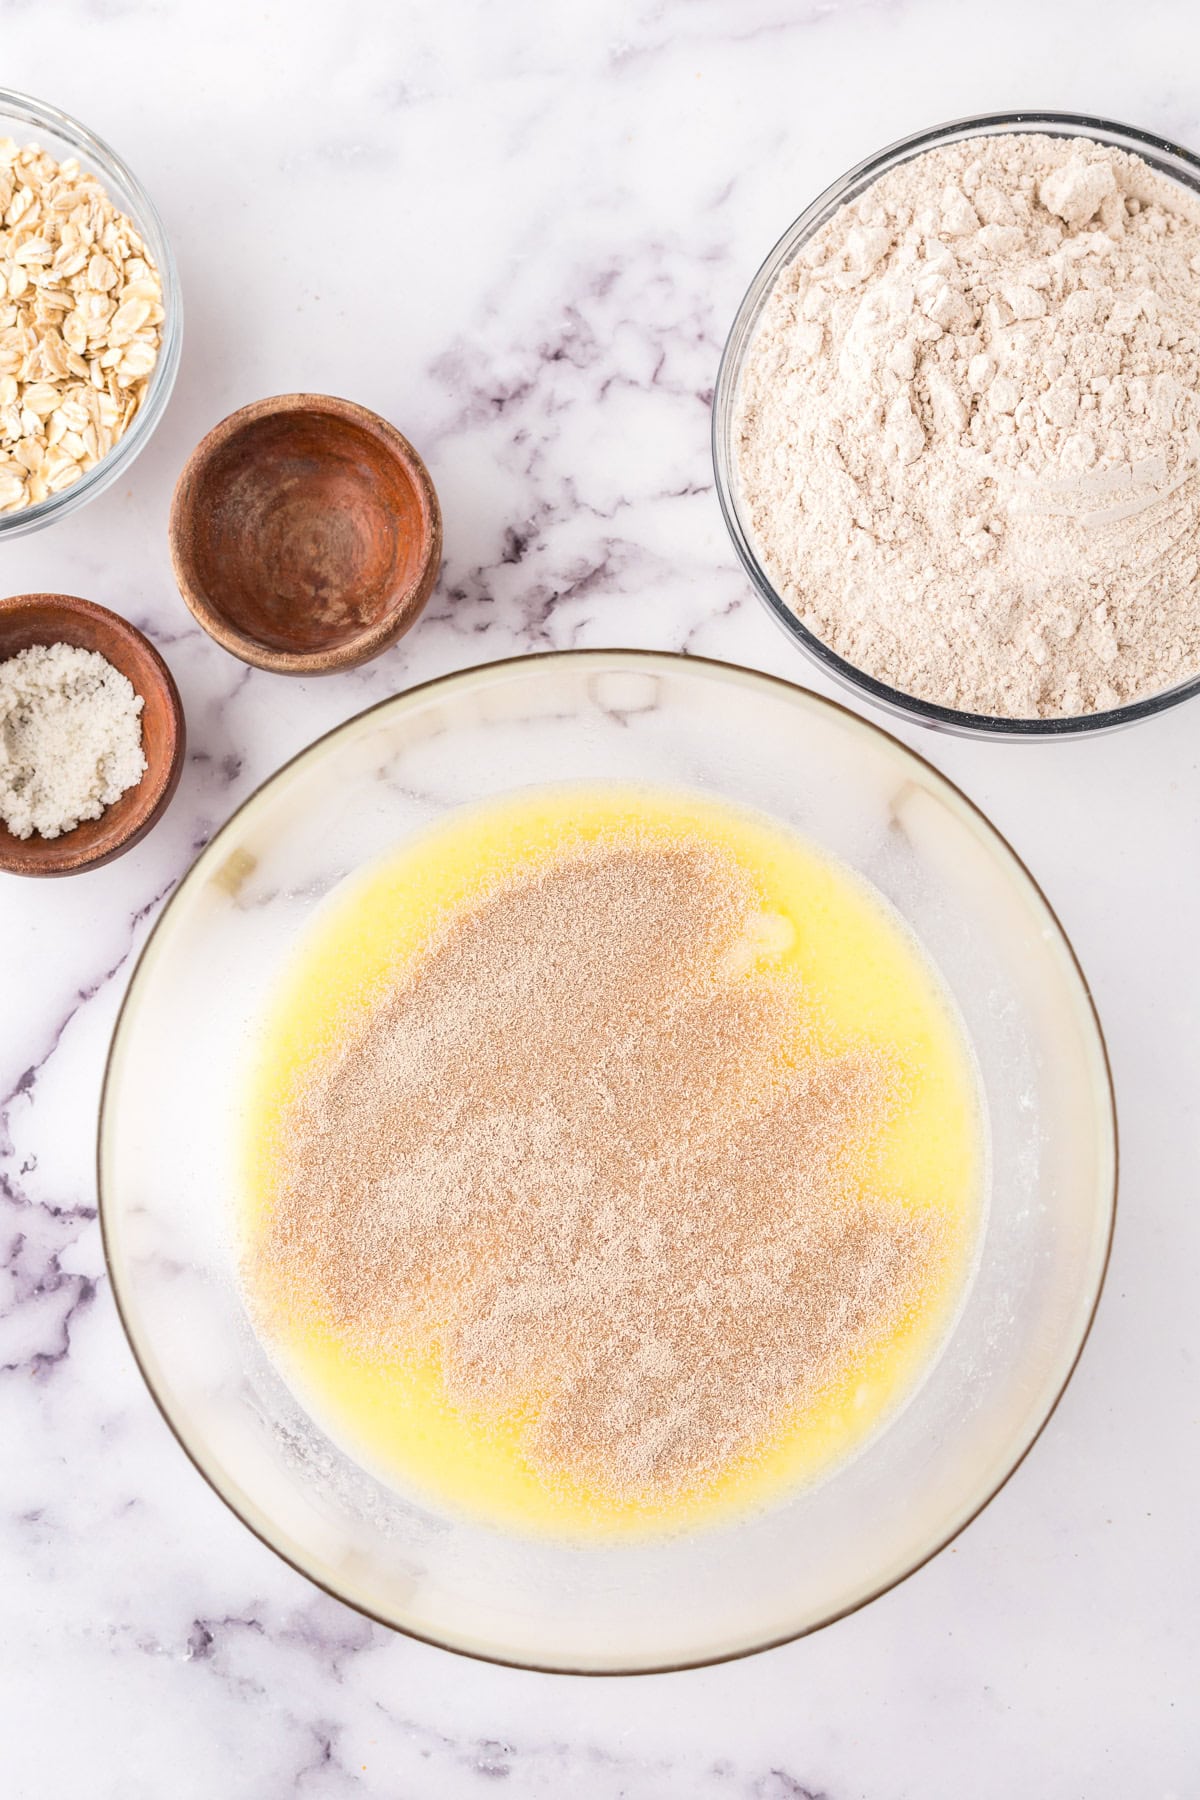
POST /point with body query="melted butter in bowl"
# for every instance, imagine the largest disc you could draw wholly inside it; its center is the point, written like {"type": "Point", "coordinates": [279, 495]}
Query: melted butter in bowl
{"type": "Point", "coordinates": [616, 1164]}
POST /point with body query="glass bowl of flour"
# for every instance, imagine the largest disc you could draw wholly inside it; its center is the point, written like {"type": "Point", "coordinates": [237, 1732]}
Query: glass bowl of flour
{"type": "Point", "coordinates": [956, 427]}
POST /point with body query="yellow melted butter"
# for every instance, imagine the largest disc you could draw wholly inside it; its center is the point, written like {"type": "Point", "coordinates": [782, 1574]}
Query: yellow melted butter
{"type": "Point", "coordinates": [873, 988]}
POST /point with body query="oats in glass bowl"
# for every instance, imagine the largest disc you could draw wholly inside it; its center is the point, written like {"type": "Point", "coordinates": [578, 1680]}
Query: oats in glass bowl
{"type": "Point", "coordinates": [81, 315]}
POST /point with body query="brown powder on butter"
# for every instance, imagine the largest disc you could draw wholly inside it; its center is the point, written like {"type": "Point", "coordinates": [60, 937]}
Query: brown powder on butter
{"type": "Point", "coordinates": [591, 1154]}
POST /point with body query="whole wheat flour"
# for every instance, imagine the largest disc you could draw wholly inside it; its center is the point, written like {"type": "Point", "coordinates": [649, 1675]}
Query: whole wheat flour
{"type": "Point", "coordinates": [620, 1184]}
{"type": "Point", "coordinates": [968, 438]}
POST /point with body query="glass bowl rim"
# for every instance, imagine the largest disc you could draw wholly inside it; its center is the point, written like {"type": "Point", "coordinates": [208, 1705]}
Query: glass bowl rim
{"type": "Point", "coordinates": [458, 678]}
{"type": "Point", "coordinates": [147, 219]}
{"type": "Point", "coordinates": [848, 675]}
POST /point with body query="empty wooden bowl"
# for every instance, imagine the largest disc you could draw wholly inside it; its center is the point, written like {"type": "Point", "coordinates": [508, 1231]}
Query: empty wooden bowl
{"type": "Point", "coordinates": [29, 619]}
{"type": "Point", "coordinates": [306, 534]}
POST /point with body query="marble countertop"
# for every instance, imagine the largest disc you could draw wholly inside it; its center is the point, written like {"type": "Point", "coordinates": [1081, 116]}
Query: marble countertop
{"type": "Point", "coordinates": [520, 232]}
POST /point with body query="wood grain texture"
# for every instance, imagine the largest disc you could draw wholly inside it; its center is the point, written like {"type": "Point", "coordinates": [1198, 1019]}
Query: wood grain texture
{"type": "Point", "coordinates": [306, 535]}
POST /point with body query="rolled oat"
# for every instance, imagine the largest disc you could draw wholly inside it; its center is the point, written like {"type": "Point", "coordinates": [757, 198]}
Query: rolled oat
{"type": "Point", "coordinates": [81, 315]}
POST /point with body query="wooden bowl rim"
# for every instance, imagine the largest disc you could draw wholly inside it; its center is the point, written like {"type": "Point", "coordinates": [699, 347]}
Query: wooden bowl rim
{"type": "Point", "coordinates": [402, 612]}
{"type": "Point", "coordinates": [39, 856]}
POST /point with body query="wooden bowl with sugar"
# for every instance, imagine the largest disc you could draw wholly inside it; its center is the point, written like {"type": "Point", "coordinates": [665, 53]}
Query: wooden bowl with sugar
{"type": "Point", "coordinates": [32, 619]}
{"type": "Point", "coordinates": [306, 534]}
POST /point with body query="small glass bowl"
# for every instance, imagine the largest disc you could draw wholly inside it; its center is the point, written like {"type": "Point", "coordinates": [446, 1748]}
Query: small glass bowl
{"type": "Point", "coordinates": [32, 121]}
{"type": "Point", "coordinates": [1169, 159]}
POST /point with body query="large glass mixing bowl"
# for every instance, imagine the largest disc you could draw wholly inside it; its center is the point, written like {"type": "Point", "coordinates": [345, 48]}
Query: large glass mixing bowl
{"type": "Point", "coordinates": [170, 1112]}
